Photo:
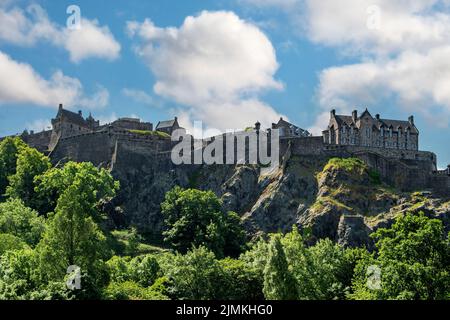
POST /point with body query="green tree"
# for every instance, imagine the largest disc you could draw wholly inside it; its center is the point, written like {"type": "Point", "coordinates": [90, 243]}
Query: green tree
{"type": "Point", "coordinates": [21, 221]}
{"type": "Point", "coordinates": [196, 218]}
{"type": "Point", "coordinates": [9, 150]}
{"type": "Point", "coordinates": [96, 185]}
{"type": "Point", "coordinates": [73, 237]}
{"type": "Point", "coordinates": [196, 275]}
{"type": "Point", "coordinates": [20, 278]}
{"type": "Point", "coordinates": [279, 284]}
{"type": "Point", "coordinates": [241, 282]}
{"type": "Point", "coordinates": [414, 260]}
{"type": "Point", "coordinates": [9, 242]}
{"type": "Point", "coordinates": [30, 164]}
{"type": "Point", "coordinates": [144, 270]}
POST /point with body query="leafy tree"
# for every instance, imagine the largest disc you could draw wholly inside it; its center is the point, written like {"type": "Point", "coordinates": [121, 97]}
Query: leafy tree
{"type": "Point", "coordinates": [196, 275]}
{"type": "Point", "coordinates": [9, 242]}
{"type": "Point", "coordinates": [241, 282]}
{"type": "Point", "coordinates": [30, 164]}
{"type": "Point", "coordinates": [144, 270]}
{"type": "Point", "coordinates": [21, 221]}
{"type": "Point", "coordinates": [73, 239]}
{"type": "Point", "coordinates": [196, 218]}
{"type": "Point", "coordinates": [118, 268]}
{"type": "Point", "coordinates": [279, 284]}
{"type": "Point", "coordinates": [130, 290]}
{"type": "Point", "coordinates": [9, 150]}
{"type": "Point", "coordinates": [414, 260]}
{"type": "Point", "coordinates": [96, 185]}
{"type": "Point", "coordinates": [73, 236]}
{"type": "Point", "coordinates": [20, 279]}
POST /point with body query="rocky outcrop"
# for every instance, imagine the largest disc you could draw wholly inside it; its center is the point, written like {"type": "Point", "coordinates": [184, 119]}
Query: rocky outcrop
{"type": "Point", "coordinates": [339, 199]}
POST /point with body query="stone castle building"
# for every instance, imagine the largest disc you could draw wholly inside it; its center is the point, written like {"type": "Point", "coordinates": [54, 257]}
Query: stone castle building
{"type": "Point", "coordinates": [389, 146]}
{"type": "Point", "coordinates": [372, 132]}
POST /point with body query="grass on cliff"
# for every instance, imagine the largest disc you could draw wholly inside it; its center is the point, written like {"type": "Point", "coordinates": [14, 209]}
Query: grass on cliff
{"type": "Point", "coordinates": [322, 202]}
{"type": "Point", "coordinates": [150, 133]}
{"type": "Point", "coordinates": [353, 166]}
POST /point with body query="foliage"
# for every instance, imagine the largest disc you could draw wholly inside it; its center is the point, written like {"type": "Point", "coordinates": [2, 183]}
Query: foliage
{"type": "Point", "coordinates": [20, 279]}
{"type": "Point", "coordinates": [279, 284]}
{"type": "Point", "coordinates": [9, 242]}
{"type": "Point", "coordinates": [414, 259]}
{"type": "Point", "coordinates": [9, 150]}
{"type": "Point", "coordinates": [93, 183]}
{"type": "Point", "coordinates": [21, 221]}
{"type": "Point", "coordinates": [73, 238]}
{"type": "Point", "coordinates": [151, 133]}
{"type": "Point", "coordinates": [240, 281]}
{"type": "Point", "coordinates": [351, 165]}
{"type": "Point", "coordinates": [30, 164]}
{"type": "Point", "coordinates": [196, 218]}
{"type": "Point", "coordinates": [129, 290]}
{"type": "Point", "coordinates": [195, 276]}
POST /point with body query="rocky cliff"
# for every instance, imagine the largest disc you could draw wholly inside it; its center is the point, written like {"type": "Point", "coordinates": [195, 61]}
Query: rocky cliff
{"type": "Point", "coordinates": [340, 199]}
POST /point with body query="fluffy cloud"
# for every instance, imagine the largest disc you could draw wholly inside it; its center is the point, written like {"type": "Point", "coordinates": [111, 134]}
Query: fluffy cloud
{"type": "Point", "coordinates": [20, 83]}
{"type": "Point", "coordinates": [138, 96]}
{"type": "Point", "coordinates": [215, 63]}
{"type": "Point", "coordinates": [419, 82]}
{"type": "Point", "coordinates": [403, 47]}
{"type": "Point", "coordinates": [30, 26]}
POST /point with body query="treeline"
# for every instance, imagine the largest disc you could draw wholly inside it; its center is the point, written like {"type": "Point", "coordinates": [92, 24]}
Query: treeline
{"type": "Point", "coordinates": [51, 218]}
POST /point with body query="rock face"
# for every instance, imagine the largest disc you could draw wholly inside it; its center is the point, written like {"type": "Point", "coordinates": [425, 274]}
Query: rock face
{"type": "Point", "coordinates": [338, 199]}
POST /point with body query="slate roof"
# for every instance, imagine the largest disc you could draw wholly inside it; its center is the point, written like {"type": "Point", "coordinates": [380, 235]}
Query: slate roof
{"type": "Point", "coordinates": [165, 124]}
{"type": "Point", "coordinates": [72, 117]}
{"type": "Point", "coordinates": [387, 123]}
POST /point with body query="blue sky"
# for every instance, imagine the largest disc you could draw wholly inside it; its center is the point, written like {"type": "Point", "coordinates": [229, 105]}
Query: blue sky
{"type": "Point", "coordinates": [228, 63]}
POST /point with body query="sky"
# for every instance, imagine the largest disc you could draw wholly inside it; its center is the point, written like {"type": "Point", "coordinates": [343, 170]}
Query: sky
{"type": "Point", "coordinates": [227, 63]}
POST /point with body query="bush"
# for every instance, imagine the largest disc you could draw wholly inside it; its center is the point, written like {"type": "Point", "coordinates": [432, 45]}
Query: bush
{"type": "Point", "coordinates": [9, 242]}
{"type": "Point", "coordinates": [20, 221]}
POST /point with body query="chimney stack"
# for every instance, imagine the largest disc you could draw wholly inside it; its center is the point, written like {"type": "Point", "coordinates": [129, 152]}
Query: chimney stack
{"type": "Point", "coordinates": [377, 116]}
{"type": "Point", "coordinates": [60, 106]}
{"type": "Point", "coordinates": [80, 113]}
{"type": "Point", "coordinates": [411, 120]}
{"type": "Point", "coordinates": [333, 113]}
{"type": "Point", "coordinates": [355, 115]}
{"type": "Point", "coordinates": [257, 126]}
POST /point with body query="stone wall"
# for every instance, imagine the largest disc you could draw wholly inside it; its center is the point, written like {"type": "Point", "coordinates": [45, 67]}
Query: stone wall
{"type": "Point", "coordinates": [40, 140]}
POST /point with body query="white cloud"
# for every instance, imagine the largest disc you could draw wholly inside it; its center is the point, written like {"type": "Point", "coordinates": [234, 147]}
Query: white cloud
{"type": "Point", "coordinates": [38, 125]}
{"type": "Point", "coordinates": [403, 47]}
{"type": "Point", "coordinates": [30, 26]}
{"type": "Point", "coordinates": [138, 96]}
{"type": "Point", "coordinates": [21, 84]}
{"type": "Point", "coordinates": [419, 82]}
{"type": "Point", "coordinates": [215, 63]}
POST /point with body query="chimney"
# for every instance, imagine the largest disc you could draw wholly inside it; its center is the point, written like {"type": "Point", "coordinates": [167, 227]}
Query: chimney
{"type": "Point", "coordinates": [355, 115]}
{"type": "Point", "coordinates": [80, 113]}
{"type": "Point", "coordinates": [333, 113]}
{"type": "Point", "coordinates": [257, 126]}
{"type": "Point", "coordinates": [411, 120]}
{"type": "Point", "coordinates": [60, 106]}
{"type": "Point", "coordinates": [378, 117]}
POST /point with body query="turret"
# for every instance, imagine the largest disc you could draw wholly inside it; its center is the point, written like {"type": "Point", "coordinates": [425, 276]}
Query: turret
{"type": "Point", "coordinates": [355, 115]}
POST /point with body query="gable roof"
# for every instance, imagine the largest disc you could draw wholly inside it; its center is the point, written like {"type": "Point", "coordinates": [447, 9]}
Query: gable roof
{"type": "Point", "coordinates": [71, 117]}
{"type": "Point", "coordinates": [166, 124]}
{"type": "Point", "coordinates": [348, 120]}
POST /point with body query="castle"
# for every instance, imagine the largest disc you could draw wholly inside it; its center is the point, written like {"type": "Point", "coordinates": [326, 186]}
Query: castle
{"type": "Point", "coordinates": [389, 146]}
